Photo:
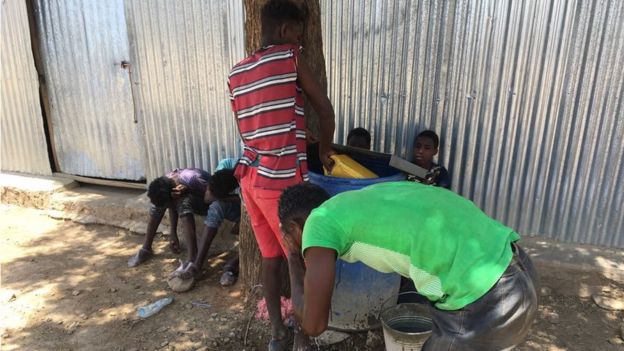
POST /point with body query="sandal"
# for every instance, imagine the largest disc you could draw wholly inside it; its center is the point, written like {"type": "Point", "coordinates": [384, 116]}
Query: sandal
{"type": "Point", "coordinates": [140, 257]}
{"type": "Point", "coordinates": [278, 344]}
{"type": "Point", "coordinates": [183, 268]}
{"type": "Point", "coordinates": [228, 278]}
{"type": "Point", "coordinates": [281, 344]}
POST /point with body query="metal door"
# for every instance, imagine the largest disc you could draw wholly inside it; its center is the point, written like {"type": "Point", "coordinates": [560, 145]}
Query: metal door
{"type": "Point", "coordinates": [84, 43]}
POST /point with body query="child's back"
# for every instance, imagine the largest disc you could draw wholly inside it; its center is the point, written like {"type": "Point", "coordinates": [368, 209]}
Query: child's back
{"type": "Point", "coordinates": [268, 105]}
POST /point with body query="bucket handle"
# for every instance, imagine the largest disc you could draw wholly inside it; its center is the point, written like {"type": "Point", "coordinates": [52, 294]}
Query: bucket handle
{"type": "Point", "coordinates": [388, 299]}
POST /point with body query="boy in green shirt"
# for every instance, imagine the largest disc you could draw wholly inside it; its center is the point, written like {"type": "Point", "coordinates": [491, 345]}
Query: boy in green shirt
{"type": "Point", "coordinates": [481, 285]}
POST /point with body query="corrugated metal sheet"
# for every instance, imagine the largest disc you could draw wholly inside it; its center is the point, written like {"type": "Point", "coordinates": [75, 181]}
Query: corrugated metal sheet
{"type": "Point", "coordinates": [182, 52]}
{"type": "Point", "coordinates": [23, 143]}
{"type": "Point", "coordinates": [527, 97]}
{"type": "Point", "coordinates": [83, 43]}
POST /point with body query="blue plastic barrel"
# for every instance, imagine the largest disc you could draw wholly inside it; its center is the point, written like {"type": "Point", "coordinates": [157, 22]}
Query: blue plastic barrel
{"type": "Point", "coordinates": [359, 291]}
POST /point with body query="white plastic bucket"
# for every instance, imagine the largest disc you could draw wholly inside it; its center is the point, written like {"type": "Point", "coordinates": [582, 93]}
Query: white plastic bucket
{"type": "Point", "coordinates": [406, 327]}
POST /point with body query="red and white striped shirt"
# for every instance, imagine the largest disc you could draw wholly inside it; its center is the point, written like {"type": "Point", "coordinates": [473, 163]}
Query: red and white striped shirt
{"type": "Point", "coordinates": [268, 105]}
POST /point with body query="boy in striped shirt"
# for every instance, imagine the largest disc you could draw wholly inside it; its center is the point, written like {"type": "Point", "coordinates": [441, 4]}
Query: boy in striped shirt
{"type": "Point", "coordinates": [266, 92]}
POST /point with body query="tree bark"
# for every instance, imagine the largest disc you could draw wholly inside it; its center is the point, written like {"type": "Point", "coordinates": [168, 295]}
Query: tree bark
{"type": "Point", "coordinates": [250, 259]}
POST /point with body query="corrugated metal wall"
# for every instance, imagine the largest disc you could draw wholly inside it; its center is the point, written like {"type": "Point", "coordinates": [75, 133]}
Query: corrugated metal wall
{"type": "Point", "coordinates": [182, 52]}
{"type": "Point", "coordinates": [527, 97]}
{"type": "Point", "coordinates": [83, 43]}
{"type": "Point", "coordinates": [23, 143]}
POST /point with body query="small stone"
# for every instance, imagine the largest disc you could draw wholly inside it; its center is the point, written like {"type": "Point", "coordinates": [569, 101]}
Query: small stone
{"type": "Point", "coordinates": [213, 315]}
{"type": "Point", "coordinates": [162, 329]}
{"type": "Point", "coordinates": [226, 340]}
{"type": "Point", "coordinates": [553, 317]}
{"type": "Point", "coordinates": [5, 335]}
{"type": "Point", "coordinates": [59, 322]}
{"type": "Point", "coordinates": [137, 286]}
{"type": "Point", "coordinates": [112, 290]}
{"type": "Point", "coordinates": [545, 291]}
{"type": "Point", "coordinates": [164, 343]}
{"type": "Point", "coordinates": [76, 292]}
{"type": "Point", "coordinates": [84, 316]}
{"type": "Point", "coordinates": [231, 334]}
{"type": "Point", "coordinates": [203, 348]}
{"type": "Point", "coordinates": [11, 298]}
{"type": "Point", "coordinates": [608, 303]}
{"type": "Point", "coordinates": [616, 341]}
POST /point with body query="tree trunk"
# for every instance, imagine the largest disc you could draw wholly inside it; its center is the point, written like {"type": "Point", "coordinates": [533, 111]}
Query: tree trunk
{"type": "Point", "coordinates": [250, 260]}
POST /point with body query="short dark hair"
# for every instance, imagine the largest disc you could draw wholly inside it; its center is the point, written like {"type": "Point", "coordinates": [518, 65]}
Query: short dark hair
{"type": "Point", "coordinates": [299, 200]}
{"type": "Point", "coordinates": [360, 132]}
{"type": "Point", "coordinates": [429, 134]}
{"type": "Point", "coordinates": [277, 12]}
{"type": "Point", "coordinates": [159, 190]}
{"type": "Point", "coordinates": [222, 183]}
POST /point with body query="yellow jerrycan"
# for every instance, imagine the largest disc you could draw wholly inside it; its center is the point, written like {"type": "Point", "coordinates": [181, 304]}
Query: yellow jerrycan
{"type": "Point", "coordinates": [346, 167]}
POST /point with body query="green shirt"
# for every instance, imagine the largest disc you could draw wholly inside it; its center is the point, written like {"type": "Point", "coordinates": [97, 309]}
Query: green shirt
{"type": "Point", "coordinates": [452, 251]}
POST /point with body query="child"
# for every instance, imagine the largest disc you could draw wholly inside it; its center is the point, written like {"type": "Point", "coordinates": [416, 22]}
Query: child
{"type": "Point", "coordinates": [266, 91]}
{"type": "Point", "coordinates": [425, 148]}
{"type": "Point", "coordinates": [359, 137]}
{"type": "Point", "coordinates": [181, 191]}
{"type": "Point", "coordinates": [187, 192]}
{"type": "Point", "coordinates": [222, 195]}
{"type": "Point", "coordinates": [481, 285]}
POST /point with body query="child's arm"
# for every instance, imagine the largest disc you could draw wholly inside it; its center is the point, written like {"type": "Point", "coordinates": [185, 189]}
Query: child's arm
{"type": "Point", "coordinates": [173, 221]}
{"type": "Point", "coordinates": [321, 104]}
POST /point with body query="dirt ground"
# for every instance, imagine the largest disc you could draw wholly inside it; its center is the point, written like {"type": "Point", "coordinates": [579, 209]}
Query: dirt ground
{"type": "Point", "coordinates": [66, 286]}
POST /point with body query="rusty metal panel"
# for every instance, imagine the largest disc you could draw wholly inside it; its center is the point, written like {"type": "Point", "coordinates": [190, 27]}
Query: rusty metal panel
{"type": "Point", "coordinates": [527, 97]}
{"type": "Point", "coordinates": [83, 44]}
{"type": "Point", "coordinates": [182, 52]}
{"type": "Point", "coordinates": [23, 142]}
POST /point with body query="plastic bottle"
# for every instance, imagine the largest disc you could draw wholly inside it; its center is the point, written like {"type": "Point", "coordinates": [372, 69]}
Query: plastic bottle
{"type": "Point", "coordinates": [153, 308]}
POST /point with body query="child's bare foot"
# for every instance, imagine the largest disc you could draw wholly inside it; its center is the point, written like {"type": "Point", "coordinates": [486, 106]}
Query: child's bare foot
{"type": "Point", "coordinates": [174, 245]}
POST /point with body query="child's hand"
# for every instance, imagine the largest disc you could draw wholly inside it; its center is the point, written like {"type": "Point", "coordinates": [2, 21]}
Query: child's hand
{"type": "Point", "coordinates": [325, 154]}
{"type": "Point", "coordinates": [178, 191]}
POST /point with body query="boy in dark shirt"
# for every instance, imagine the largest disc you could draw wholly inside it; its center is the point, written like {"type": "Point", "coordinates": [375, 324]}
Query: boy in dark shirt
{"type": "Point", "coordinates": [181, 192]}
{"type": "Point", "coordinates": [359, 137]}
{"type": "Point", "coordinates": [425, 148]}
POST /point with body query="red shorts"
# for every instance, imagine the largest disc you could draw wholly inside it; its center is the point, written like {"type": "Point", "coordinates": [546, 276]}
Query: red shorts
{"type": "Point", "coordinates": [262, 206]}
